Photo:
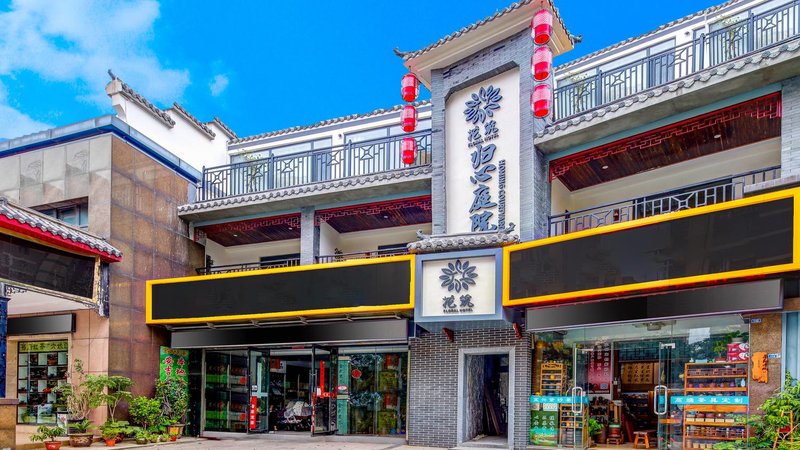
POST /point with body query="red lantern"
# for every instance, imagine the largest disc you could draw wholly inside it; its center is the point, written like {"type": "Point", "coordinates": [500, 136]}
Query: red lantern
{"type": "Point", "coordinates": [409, 118]}
{"type": "Point", "coordinates": [541, 63]}
{"type": "Point", "coordinates": [541, 100]}
{"type": "Point", "coordinates": [409, 87]}
{"type": "Point", "coordinates": [409, 148]}
{"type": "Point", "coordinates": [542, 26]}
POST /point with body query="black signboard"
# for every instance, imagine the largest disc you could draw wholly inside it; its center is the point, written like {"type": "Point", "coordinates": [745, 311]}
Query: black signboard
{"type": "Point", "coordinates": [320, 289]}
{"type": "Point", "coordinates": [748, 237]}
{"type": "Point", "coordinates": [36, 265]}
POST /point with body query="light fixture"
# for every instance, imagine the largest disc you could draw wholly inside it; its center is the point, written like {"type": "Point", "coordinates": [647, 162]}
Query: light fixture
{"type": "Point", "coordinates": [408, 118]}
{"type": "Point", "coordinates": [717, 136]}
{"type": "Point", "coordinates": [409, 87]}
{"type": "Point", "coordinates": [235, 235]}
{"type": "Point", "coordinates": [541, 97]}
{"type": "Point", "coordinates": [408, 147]}
{"type": "Point", "coordinates": [605, 166]}
{"type": "Point", "coordinates": [541, 63]}
{"type": "Point", "coordinates": [542, 26]}
{"type": "Point", "coordinates": [291, 228]}
{"type": "Point", "coordinates": [385, 216]}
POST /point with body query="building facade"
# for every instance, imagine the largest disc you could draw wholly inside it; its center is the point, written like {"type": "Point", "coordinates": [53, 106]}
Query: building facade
{"type": "Point", "coordinates": [627, 256]}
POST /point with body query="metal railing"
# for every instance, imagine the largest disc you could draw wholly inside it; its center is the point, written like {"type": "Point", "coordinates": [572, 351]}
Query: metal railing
{"type": "Point", "coordinates": [693, 196]}
{"type": "Point", "coordinates": [297, 169]}
{"type": "Point", "coordinates": [754, 33]}
{"type": "Point", "coordinates": [244, 267]}
{"type": "Point", "coordinates": [361, 255]}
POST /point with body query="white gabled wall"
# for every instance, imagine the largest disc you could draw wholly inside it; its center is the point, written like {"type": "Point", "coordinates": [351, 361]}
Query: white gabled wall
{"type": "Point", "coordinates": [240, 254]}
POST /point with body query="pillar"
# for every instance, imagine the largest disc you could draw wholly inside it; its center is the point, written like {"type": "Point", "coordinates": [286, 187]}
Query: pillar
{"type": "Point", "coordinates": [309, 236]}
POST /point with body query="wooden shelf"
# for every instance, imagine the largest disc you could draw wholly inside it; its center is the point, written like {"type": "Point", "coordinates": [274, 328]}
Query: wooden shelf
{"type": "Point", "coordinates": [715, 424]}
{"type": "Point", "coordinates": [716, 376]}
{"type": "Point", "coordinates": [718, 363]}
{"type": "Point", "coordinates": [712, 390]}
{"type": "Point", "coordinates": [716, 438]}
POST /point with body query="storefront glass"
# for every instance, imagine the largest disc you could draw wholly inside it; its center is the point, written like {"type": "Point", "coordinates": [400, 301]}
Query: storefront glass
{"type": "Point", "coordinates": [41, 368]}
{"type": "Point", "coordinates": [226, 393]}
{"type": "Point", "coordinates": [679, 384]}
{"type": "Point", "coordinates": [377, 386]}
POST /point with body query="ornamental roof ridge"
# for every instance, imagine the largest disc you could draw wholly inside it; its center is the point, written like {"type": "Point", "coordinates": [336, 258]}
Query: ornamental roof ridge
{"type": "Point", "coordinates": [462, 241]}
{"type": "Point", "coordinates": [35, 219]}
{"type": "Point", "coordinates": [705, 76]}
{"type": "Point", "coordinates": [475, 25]}
{"type": "Point", "coordinates": [136, 97]}
{"type": "Point", "coordinates": [660, 28]}
{"type": "Point", "coordinates": [200, 125]}
{"type": "Point", "coordinates": [377, 112]}
{"type": "Point", "coordinates": [228, 130]}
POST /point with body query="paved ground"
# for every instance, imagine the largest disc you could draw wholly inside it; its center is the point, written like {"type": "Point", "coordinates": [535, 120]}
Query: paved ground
{"type": "Point", "coordinates": [258, 444]}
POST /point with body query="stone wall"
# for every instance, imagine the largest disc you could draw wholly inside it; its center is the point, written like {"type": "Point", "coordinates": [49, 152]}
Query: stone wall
{"type": "Point", "coordinates": [433, 384]}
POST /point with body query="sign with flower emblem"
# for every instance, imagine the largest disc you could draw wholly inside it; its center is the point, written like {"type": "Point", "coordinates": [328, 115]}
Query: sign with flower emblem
{"type": "Point", "coordinates": [458, 286]}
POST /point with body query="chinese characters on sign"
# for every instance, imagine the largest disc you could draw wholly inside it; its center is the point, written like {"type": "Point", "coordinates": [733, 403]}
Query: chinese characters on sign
{"type": "Point", "coordinates": [480, 112]}
{"type": "Point", "coordinates": [458, 276]}
{"type": "Point", "coordinates": [174, 363]}
{"type": "Point", "coordinates": [600, 369]}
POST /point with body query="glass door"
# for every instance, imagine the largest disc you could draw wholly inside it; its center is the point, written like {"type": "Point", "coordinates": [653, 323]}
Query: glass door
{"type": "Point", "coordinates": [258, 407]}
{"type": "Point", "coordinates": [324, 366]}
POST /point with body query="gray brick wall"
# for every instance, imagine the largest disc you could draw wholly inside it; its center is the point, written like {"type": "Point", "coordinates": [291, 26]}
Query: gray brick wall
{"type": "Point", "coordinates": [433, 384]}
{"type": "Point", "coordinates": [511, 53]}
{"type": "Point", "coordinates": [790, 127]}
{"type": "Point", "coordinates": [309, 236]}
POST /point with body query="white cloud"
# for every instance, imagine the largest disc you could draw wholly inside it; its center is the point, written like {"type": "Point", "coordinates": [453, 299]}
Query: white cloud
{"type": "Point", "coordinates": [76, 41]}
{"type": "Point", "coordinates": [218, 85]}
{"type": "Point", "coordinates": [14, 123]}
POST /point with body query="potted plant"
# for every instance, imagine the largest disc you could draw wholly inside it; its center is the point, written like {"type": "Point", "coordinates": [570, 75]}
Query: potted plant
{"type": "Point", "coordinates": [173, 392]}
{"type": "Point", "coordinates": [145, 411]}
{"type": "Point", "coordinates": [80, 397]}
{"type": "Point", "coordinates": [173, 436]}
{"type": "Point", "coordinates": [110, 436]}
{"type": "Point", "coordinates": [164, 437]}
{"type": "Point", "coordinates": [141, 437]}
{"type": "Point", "coordinates": [595, 428]}
{"type": "Point", "coordinates": [48, 435]}
{"type": "Point", "coordinates": [116, 428]}
{"type": "Point", "coordinates": [152, 437]}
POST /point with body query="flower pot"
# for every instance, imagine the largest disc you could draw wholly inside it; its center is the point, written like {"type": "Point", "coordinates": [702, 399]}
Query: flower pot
{"type": "Point", "coordinates": [176, 428]}
{"type": "Point", "coordinates": [80, 439]}
{"type": "Point", "coordinates": [173, 437]}
{"type": "Point", "coordinates": [52, 445]}
{"type": "Point", "coordinates": [118, 439]}
{"type": "Point", "coordinates": [141, 441]}
{"type": "Point", "coordinates": [111, 442]}
{"type": "Point", "coordinates": [153, 440]}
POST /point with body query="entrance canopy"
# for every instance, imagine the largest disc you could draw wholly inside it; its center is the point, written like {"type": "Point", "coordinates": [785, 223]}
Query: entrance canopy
{"type": "Point", "coordinates": [45, 256]}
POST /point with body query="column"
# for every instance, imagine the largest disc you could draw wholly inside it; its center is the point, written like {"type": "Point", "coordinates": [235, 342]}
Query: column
{"type": "Point", "coordinates": [309, 236]}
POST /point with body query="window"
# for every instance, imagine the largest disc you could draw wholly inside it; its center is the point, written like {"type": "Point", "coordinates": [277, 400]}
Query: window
{"type": "Point", "coordinates": [283, 150]}
{"type": "Point", "coordinates": [41, 368]}
{"type": "Point", "coordinates": [377, 133]}
{"type": "Point", "coordinates": [76, 215]}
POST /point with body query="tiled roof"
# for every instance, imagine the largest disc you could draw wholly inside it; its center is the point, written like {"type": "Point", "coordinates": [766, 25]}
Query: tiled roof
{"type": "Point", "coordinates": [708, 10]}
{"type": "Point", "coordinates": [139, 98]}
{"type": "Point", "coordinates": [466, 241]}
{"type": "Point", "coordinates": [200, 125]}
{"type": "Point", "coordinates": [347, 183]}
{"type": "Point", "coordinates": [512, 7]}
{"type": "Point", "coordinates": [376, 112]}
{"type": "Point", "coordinates": [231, 134]}
{"type": "Point", "coordinates": [55, 227]}
{"type": "Point", "coordinates": [700, 77]}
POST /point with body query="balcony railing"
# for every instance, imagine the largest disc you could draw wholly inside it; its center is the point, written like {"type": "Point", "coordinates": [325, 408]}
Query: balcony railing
{"type": "Point", "coordinates": [693, 196]}
{"type": "Point", "coordinates": [361, 255]}
{"type": "Point", "coordinates": [754, 33]}
{"type": "Point", "coordinates": [297, 169]}
{"type": "Point", "coordinates": [244, 267]}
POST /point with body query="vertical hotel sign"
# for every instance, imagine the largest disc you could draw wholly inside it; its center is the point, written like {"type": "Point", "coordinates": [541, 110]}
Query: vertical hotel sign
{"type": "Point", "coordinates": [488, 209]}
{"type": "Point", "coordinates": [173, 363]}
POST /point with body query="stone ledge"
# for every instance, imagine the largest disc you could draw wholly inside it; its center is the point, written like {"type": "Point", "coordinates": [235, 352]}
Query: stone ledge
{"type": "Point", "coordinates": [778, 184]}
{"type": "Point", "coordinates": [465, 241]}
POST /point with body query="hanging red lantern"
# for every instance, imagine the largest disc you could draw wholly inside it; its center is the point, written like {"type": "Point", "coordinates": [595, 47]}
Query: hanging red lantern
{"type": "Point", "coordinates": [541, 63]}
{"type": "Point", "coordinates": [542, 26]}
{"type": "Point", "coordinates": [409, 87]}
{"type": "Point", "coordinates": [409, 150]}
{"type": "Point", "coordinates": [409, 118]}
{"type": "Point", "coordinates": [541, 100]}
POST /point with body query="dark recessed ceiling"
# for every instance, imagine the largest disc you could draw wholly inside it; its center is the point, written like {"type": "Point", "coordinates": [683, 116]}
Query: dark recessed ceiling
{"type": "Point", "coordinates": [254, 231]}
{"type": "Point", "coordinates": [742, 124]}
{"type": "Point", "coordinates": [395, 213]}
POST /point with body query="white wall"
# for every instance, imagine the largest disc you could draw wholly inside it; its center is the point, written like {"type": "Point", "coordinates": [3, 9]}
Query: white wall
{"type": "Point", "coordinates": [239, 254]}
{"type": "Point", "coordinates": [360, 241]}
{"type": "Point", "coordinates": [328, 239]}
{"type": "Point", "coordinates": [459, 189]}
{"type": "Point", "coordinates": [730, 162]}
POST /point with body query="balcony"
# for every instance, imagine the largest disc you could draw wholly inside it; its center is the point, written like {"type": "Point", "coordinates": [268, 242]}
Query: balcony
{"type": "Point", "coordinates": [751, 34]}
{"type": "Point", "coordinates": [693, 196]}
{"type": "Point", "coordinates": [361, 255]}
{"type": "Point", "coordinates": [298, 169]}
{"type": "Point", "coordinates": [244, 267]}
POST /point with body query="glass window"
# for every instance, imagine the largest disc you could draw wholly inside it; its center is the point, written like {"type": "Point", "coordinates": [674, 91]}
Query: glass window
{"type": "Point", "coordinates": [283, 150]}
{"type": "Point", "coordinates": [377, 386]}
{"type": "Point", "coordinates": [41, 368]}
{"type": "Point", "coordinates": [76, 215]}
{"type": "Point", "coordinates": [226, 393]}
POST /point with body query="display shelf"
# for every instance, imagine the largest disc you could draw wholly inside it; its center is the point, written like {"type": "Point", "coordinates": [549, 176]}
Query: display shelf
{"type": "Point", "coordinates": [704, 424]}
{"type": "Point", "coordinates": [573, 429]}
{"type": "Point", "coordinates": [41, 367]}
{"type": "Point", "coordinates": [551, 378]}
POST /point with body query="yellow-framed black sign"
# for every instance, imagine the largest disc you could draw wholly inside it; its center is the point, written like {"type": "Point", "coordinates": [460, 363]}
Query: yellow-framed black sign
{"type": "Point", "coordinates": [348, 287]}
{"type": "Point", "coordinates": [741, 239]}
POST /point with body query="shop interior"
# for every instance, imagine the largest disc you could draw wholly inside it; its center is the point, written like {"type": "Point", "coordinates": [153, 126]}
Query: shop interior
{"type": "Point", "coordinates": [327, 390]}
{"type": "Point", "coordinates": [486, 402]}
{"type": "Point", "coordinates": [642, 383]}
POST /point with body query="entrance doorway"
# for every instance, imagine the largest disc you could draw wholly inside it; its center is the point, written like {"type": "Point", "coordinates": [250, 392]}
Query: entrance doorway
{"type": "Point", "coordinates": [485, 406]}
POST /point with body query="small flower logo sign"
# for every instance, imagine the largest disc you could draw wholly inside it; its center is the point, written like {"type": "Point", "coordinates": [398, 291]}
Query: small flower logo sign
{"type": "Point", "coordinates": [458, 276]}
{"type": "Point", "coordinates": [483, 104]}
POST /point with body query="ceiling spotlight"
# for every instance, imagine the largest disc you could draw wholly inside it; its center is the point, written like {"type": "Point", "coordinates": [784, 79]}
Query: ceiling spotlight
{"type": "Point", "coordinates": [717, 136]}
{"type": "Point", "coordinates": [291, 228]}
{"type": "Point", "coordinates": [605, 167]}
{"type": "Point", "coordinates": [385, 216]}
{"type": "Point", "coordinates": [235, 235]}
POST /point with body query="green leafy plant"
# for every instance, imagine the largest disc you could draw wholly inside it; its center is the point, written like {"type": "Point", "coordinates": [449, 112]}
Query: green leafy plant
{"type": "Point", "coordinates": [595, 427]}
{"type": "Point", "coordinates": [173, 393]}
{"type": "Point", "coordinates": [80, 396]}
{"type": "Point", "coordinates": [81, 426]}
{"type": "Point", "coordinates": [113, 390]}
{"type": "Point", "coordinates": [45, 433]}
{"type": "Point", "coordinates": [145, 411]}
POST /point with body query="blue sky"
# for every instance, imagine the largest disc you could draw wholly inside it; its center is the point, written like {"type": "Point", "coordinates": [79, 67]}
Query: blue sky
{"type": "Point", "coordinates": [258, 65]}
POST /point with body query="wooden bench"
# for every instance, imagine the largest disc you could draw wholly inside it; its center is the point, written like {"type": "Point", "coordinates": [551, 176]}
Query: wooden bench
{"type": "Point", "coordinates": [643, 438]}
